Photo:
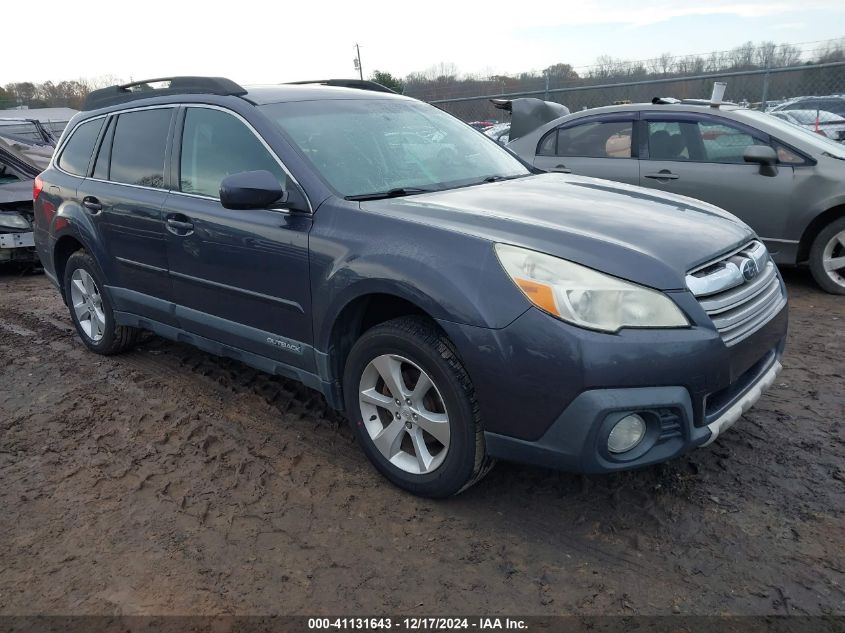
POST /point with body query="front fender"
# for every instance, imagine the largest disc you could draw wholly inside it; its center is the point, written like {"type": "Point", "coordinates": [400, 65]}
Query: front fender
{"type": "Point", "coordinates": [451, 276]}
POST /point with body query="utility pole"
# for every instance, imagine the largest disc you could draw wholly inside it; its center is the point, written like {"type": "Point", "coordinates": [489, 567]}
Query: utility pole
{"type": "Point", "coordinates": [357, 61]}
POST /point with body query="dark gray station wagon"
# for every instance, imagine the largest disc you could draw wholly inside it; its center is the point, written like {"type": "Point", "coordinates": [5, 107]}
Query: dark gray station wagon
{"type": "Point", "coordinates": [457, 305]}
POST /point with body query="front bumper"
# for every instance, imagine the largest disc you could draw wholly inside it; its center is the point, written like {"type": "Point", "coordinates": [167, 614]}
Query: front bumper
{"type": "Point", "coordinates": [577, 439]}
{"type": "Point", "coordinates": [550, 392]}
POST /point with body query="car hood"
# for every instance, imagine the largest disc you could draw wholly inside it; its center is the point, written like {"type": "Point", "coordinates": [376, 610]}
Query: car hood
{"type": "Point", "coordinates": [631, 232]}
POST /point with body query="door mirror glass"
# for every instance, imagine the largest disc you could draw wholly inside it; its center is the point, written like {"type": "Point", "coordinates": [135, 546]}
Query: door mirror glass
{"type": "Point", "coordinates": [763, 155]}
{"type": "Point", "coordinates": [251, 190]}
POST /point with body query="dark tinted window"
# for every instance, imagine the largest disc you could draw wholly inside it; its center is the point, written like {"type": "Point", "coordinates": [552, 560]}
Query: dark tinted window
{"type": "Point", "coordinates": [137, 155]}
{"type": "Point", "coordinates": [78, 149]}
{"type": "Point", "coordinates": [215, 145]}
{"type": "Point", "coordinates": [596, 139]}
{"type": "Point", "coordinates": [667, 140]}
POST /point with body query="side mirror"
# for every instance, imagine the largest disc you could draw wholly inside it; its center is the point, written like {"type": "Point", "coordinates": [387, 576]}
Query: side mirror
{"type": "Point", "coordinates": [763, 155]}
{"type": "Point", "coordinates": [250, 190]}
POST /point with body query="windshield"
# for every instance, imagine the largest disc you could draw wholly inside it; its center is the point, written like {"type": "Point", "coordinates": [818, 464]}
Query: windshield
{"type": "Point", "coordinates": [369, 146]}
{"type": "Point", "coordinates": [790, 130]}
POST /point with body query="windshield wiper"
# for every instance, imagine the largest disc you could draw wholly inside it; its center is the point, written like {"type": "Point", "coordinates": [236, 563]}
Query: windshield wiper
{"type": "Point", "coordinates": [496, 178]}
{"type": "Point", "coordinates": [398, 192]}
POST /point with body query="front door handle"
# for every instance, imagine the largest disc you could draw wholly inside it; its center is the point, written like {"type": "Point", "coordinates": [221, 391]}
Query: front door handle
{"type": "Point", "coordinates": [92, 204]}
{"type": "Point", "coordinates": [561, 169]}
{"type": "Point", "coordinates": [179, 224]}
{"type": "Point", "coordinates": [663, 174]}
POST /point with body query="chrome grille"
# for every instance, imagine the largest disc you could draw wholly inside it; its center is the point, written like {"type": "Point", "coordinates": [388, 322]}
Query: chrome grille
{"type": "Point", "coordinates": [738, 301]}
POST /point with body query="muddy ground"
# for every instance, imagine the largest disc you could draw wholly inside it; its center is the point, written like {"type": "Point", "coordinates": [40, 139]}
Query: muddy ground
{"type": "Point", "coordinates": [170, 481]}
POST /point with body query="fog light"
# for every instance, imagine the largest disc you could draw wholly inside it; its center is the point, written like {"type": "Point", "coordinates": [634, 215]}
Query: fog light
{"type": "Point", "coordinates": [626, 434]}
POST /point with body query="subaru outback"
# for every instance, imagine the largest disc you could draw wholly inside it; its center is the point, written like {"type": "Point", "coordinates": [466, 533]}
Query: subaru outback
{"type": "Point", "coordinates": [458, 306]}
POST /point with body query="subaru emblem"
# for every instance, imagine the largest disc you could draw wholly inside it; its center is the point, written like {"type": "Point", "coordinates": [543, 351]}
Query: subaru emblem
{"type": "Point", "coordinates": [749, 269]}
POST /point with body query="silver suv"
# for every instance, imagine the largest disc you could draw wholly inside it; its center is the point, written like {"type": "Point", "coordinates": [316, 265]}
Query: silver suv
{"type": "Point", "coordinates": [787, 183]}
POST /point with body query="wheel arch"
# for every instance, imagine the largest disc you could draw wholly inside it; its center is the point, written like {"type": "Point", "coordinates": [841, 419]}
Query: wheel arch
{"type": "Point", "coordinates": [815, 227]}
{"type": "Point", "coordinates": [65, 246]}
{"type": "Point", "coordinates": [359, 314]}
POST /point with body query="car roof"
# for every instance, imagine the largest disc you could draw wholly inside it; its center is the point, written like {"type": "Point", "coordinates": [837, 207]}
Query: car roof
{"type": "Point", "coordinates": [173, 89]}
{"type": "Point", "coordinates": [668, 107]}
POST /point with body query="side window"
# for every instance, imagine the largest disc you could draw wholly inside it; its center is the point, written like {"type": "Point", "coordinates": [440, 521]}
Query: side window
{"type": "Point", "coordinates": [725, 143]}
{"type": "Point", "coordinates": [214, 145]}
{"type": "Point", "coordinates": [77, 152]}
{"type": "Point", "coordinates": [596, 139]}
{"type": "Point", "coordinates": [138, 148]}
{"type": "Point", "coordinates": [667, 140]}
{"type": "Point", "coordinates": [548, 145]}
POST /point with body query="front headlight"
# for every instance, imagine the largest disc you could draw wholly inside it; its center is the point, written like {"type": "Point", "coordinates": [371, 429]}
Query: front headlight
{"type": "Point", "coordinates": [13, 220]}
{"type": "Point", "coordinates": [585, 297]}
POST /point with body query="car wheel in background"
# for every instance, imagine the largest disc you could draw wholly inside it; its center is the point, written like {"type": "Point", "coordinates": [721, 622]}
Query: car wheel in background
{"type": "Point", "coordinates": [827, 257]}
{"type": "Point", "coordinates": [412, 407]}
{"type": "Point", "coordinates": [90, 307]}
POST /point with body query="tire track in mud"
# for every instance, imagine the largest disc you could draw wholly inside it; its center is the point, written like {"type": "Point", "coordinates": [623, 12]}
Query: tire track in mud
{"type": "Point", "coordinates": [197, 483]}
{"type": "Point", "coordinates": [158, 362]}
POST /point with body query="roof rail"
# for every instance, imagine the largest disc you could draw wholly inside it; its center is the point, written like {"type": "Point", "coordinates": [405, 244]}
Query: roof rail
{"type": "Point", "coordinates": [360, 84]}
{"type": "Point", "coordinates": [175, 85]}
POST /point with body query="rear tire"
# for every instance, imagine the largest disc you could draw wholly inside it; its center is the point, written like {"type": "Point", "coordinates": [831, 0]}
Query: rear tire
{"type": "Point", "coordinates": [91, 309]}
{"type": "Point", "coordinates": [396, 437]}
{"type": "Point", "coordinates": [828, 247]}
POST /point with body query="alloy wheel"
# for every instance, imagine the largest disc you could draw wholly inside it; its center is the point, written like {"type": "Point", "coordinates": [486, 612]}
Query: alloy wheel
{"type": "Point", "coordinates": [87, 304]}
{"type": "Point", "coordinates": [833, 258]}
{"type": "Point", "coordinates": [404, 414]}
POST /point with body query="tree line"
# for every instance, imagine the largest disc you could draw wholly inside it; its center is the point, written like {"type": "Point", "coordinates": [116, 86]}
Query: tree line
{"type": "Point", "coordinates": [49, 94]}
{"type": "Point", "coordinates": [444, 80]}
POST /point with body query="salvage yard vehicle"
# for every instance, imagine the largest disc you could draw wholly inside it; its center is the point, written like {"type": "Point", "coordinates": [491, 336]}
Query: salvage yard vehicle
{"type": "Point", "coordinates": [819, 121]}
{"type": "Point", "coordinates": [786, 182]}
{"type": "Point", "coordinates": [458, 310]}
{"type": "Point", "coordinates": [25, 150]}
{"type": "Point", "coordinates": [829, 103]}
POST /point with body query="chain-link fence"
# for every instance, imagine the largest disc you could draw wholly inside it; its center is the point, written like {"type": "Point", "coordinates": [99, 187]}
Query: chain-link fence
{"type": "Point", "coordinates": [753, 88]}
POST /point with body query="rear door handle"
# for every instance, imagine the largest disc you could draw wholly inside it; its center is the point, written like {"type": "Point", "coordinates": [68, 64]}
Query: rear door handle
{"type": "Point", "coordinates": [179, 224]}
{"type": "Point", "coordinates": [561, 169]}
{"type": "Point", "coordinates": [663, 174]}
{"type": "Point", "coordinates": [92, 204]}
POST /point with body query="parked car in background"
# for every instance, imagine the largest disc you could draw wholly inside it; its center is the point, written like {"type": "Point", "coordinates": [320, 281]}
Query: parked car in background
{"type": "Point", "coordinates": [25, 150]}
{"type": "Point", "coordinates": [786, 182]}
{"type": "Point", "coordinates": [829, 103]}
{"type": "Point", "coordinates": [499, 133]}
{"type": "Point", "coordinates": [19, 121]}
{"type": "Point", "coordinates": [819, 121]}
{"type": "Point", "coordinates": [482, 125]}
{"type": "Point", "coordinates": [459, 307]}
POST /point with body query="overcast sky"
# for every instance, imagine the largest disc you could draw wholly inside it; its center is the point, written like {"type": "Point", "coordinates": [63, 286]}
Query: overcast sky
{"type": "Point", "coordinates": [270, 42]}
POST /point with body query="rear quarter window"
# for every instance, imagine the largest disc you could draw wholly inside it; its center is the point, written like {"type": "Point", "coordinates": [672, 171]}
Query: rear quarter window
{"type": "Point", "coordinates": [77, 152]}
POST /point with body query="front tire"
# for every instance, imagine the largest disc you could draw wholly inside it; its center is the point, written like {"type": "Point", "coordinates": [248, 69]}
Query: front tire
{"type": "Point", "coordinates": [91, 309]}
{"type": "Point", "coordinates": [827, 258]}
{"type": "Point", "coordinates": [412, 408]}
